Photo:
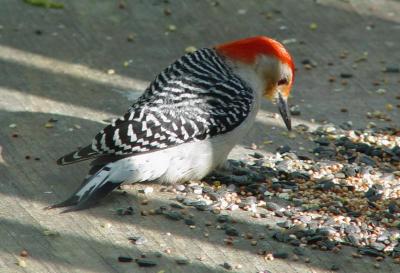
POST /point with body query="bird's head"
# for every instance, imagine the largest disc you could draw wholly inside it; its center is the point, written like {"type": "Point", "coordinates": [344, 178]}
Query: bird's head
{"type": "Point", "coordinates": [270, 62]}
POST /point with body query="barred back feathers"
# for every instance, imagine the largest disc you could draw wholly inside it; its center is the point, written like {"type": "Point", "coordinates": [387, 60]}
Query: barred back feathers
{"type": "Point", "coordinates": [195, 98]}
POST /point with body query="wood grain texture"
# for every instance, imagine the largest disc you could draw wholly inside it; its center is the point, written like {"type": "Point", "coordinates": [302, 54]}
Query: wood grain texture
{"type": "Point", "coordinates": [54, 64]}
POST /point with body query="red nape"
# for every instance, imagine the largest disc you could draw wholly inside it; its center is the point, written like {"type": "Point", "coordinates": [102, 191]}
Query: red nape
{"type": "Point", "coordinates": [246, 50]}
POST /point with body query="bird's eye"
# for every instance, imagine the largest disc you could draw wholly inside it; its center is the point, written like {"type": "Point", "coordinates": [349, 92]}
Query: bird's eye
{"type": "Point", "coordinates": [283, 81]}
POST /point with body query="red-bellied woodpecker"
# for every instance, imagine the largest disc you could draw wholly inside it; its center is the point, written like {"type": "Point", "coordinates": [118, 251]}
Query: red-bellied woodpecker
{"type": "Point", "coordinates": [188, 119]}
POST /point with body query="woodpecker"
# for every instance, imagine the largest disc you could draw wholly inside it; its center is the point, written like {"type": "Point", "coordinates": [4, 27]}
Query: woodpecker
{"type": "Point", "coordinates": [188, 119]}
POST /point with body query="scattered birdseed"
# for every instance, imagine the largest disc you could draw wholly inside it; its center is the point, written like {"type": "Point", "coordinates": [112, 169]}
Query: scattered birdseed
{"type": "Point", "coordinates": [389, 107]}
{"type": "Point", "coordinates": [138, 240]}
{"type": "Point", "coordinates": [269, 257]}
{"type": "Point", "coordinates": [370, 252]}
{"type": "Point", "coordinates": [356, 255]}
{"type": "Point", "coordinates": [49, 125]}
{"type": "Point", "coordinates": [392, 69]}
{"type": "Point", "coordinates": [381, 91]}
{"type": "Point", "coordinates": [281, 255]}
{"type": "Point", "coordinates": [124, 259]}
{"type": "Point", "coordinates": [343, 197]}
{"type": "Point", "coordinates": [190, 222]}
{"type": "Point", "coordinates": [227, 266]}
{"type": "Point", "coordinates": [346, 75]}
{"type": "Point", "coordinates": [131, 37]}
{"type": "Point", "coordinates": [327, 190]}
{"type": "Point", "coordinates": [127, 211]}
{"type": "Point", "coordinates": [379, 259]}
{"type": "Point", "coordinates": [197, 190]}
{"type": "Point", "coordinates": [145, 262]}
{"type": "Point", "coordinates": [190, 49]}
{"type": "Point", "coordinates": [51, 233]}
{"type": "Point", "coordinates": [295, 110]}
{"type": "Point", "coordinates": [289, 41]}
{"type": "Point", "coordinates": [127, 63]}
{"type": "Point", "coordinates": [231, 231]}
{"type": "Point", "coordinates": [121, 4]}
{"type": "Point", "coordinates": [176, 206]}
{"type": "Point", "coordinates": [258, 155]}
{"type": "Point", "coordinates": [313, 26]}
{"type": "Point", "coordinates": [45, 4]}
{"type": "Point", "coordinates": [167, 12]}
{"type": "Point", "coordinates": [299, 251]}
{"type": "Point", "coordinates": [106, 225]}
{"type": "Point", "coordinates": [308, 66]}
{"type": "Point", "coordinates": [182, 261]}
{"type": "Point", "coordinates": [171, 28]}
{"type": "Point", "coordinates": [173, 215]}
{"type": "Point", "coordinates": [21, 263]}
{"type": "Point", "coordinates": [144, 212]}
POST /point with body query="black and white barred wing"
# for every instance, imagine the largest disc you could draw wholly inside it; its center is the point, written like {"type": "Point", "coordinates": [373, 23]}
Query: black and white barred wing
{"type": "Point", "coordinates": [181, 118]}
{"type": "Point", "coordinates": [184, 116]}
{"type": "Point", "coordinates": [195, 98]}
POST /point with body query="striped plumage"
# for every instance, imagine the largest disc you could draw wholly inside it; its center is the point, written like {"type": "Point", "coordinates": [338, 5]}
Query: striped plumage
{"type": "Point", "coordinates": [195, 98]}
{"type": "Point", "coordinates": [183, 126]}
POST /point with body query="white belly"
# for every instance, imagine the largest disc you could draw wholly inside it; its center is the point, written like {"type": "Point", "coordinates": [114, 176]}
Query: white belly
{"type": "Point", "coordinates": [189, 161]}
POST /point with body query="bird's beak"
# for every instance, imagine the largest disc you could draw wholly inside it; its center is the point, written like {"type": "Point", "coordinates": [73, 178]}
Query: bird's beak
{"type": "Point", "coordinates": [284, 110]}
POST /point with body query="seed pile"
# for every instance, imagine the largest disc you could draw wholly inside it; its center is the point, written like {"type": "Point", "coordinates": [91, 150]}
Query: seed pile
{"type": "Point", "coordinates": [350, 195]}
{"type": "Point", "coordinates": [346, 193]}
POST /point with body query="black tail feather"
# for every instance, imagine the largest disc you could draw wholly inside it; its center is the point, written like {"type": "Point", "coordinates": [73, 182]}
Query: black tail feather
{"type": "Point", "coordinates": [96, 195]}
{"type": "Point", "coordinates": [77, 156]}
{"type": "Point", "coordinates": [93, 188]}
{"type": "Point", "coordinates": [71, 201]}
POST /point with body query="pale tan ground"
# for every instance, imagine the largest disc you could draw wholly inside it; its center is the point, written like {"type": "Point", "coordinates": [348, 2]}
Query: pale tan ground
{"type": "Point", "coordinates": [62, 74]}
